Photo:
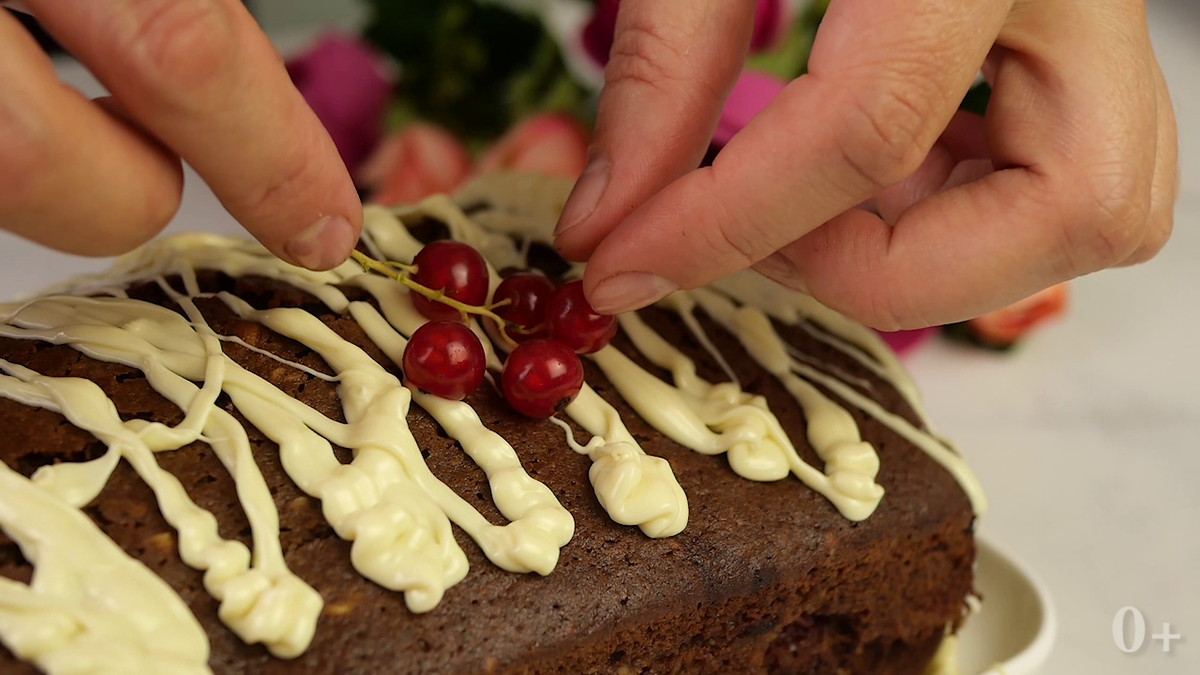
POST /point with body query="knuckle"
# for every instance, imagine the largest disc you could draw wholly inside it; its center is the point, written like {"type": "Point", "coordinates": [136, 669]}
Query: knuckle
{"type": "Point", "coordinates": [880, 310]}
{"type": "Point", "coordinates": [294, 172]}
{"type": "Point", "coordinates": [1162, 213]}
{"type": "Point", "coordinates": [1154, 241]}
{"type": "Point", "coordinates": [735, 232]}
{"type": "Point", "coordinates": [734, 237]}
{"type": "Point", "coordinates": [1111, 224]}
{"type": "Point", "coordinates": [179, 42]}
{"type": "Point", "coordinates": [887, 134]}
{"type": "Point", "coordinates": [642, 54]}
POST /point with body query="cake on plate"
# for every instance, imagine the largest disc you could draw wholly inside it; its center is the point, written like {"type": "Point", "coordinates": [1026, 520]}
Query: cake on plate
{"type": "Point", "coordinates": [213, 462]}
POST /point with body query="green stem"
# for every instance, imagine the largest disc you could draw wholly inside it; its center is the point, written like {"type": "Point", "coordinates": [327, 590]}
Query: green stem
{"type": "Point", "coordinates": [389, 269]}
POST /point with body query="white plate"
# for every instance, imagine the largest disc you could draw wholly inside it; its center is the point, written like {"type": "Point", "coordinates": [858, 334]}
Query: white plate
{"type": "Point", "coordinates": [1013, 632]}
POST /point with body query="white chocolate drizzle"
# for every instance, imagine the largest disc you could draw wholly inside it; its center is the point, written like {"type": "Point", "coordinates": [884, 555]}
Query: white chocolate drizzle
{"type": "Point", "coordinates": [386, 501]}
{"type": "Point", "coordinates": [853, 339]}
{"type": "Point", "coordinates": [633, 487]}
{"type": "Point", "coordinates": [261, 602]}
{"type": "Point", "coordinates": [855, 467]}
{"type": "Point", "coordinates": [91, 607]}
{"type": "Point", "coordinates": [945, 659]}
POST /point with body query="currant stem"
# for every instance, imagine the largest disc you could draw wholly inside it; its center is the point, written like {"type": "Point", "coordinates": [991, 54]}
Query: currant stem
{"type": "Point", "coordinates": [410, 269]}
{"type": "Point", "coordinates": [389, 270]}
{"type": "Point", "coordinates": [531, 330]}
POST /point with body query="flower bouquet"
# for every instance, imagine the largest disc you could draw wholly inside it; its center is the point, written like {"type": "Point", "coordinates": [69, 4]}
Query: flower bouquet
{"type": "Point", "coordinates": [434, 93]}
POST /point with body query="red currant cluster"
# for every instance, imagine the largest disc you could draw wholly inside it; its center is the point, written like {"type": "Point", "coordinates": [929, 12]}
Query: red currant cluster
{"type": "Point", "coordinates": [547, 326]}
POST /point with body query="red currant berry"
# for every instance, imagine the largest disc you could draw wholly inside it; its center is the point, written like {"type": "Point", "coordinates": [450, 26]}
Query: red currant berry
{"type": "Point", "coordinates": [573, 322]}
{"type": "Point", "coordinates": [454, 268]}
{"type": "Point", "coordinates": [541, 377]}
{"type": "Point", "coordinates": [445, 359]}
{"type": "Point", "coordinates": [526, 294]}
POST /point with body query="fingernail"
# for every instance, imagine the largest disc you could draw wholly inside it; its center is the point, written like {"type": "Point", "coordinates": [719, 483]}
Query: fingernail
{"type": "Point", "coordinates": [779, 268]}
{"type": "Point", "coordinates": [628, 291]}
{"type": "Point", "coordinates": [323, 245]}
{"type": "Point", "coordinates": [585, 195]}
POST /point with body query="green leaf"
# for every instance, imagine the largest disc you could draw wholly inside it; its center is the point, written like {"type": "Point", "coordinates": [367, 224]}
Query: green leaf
{"type": "Point", "coordinates": [789, 59]}
{"type": "Point", "coordinates": [545, 86]}
{"type": "Point", "coordinates": [977, 98]}
{"type": "Point", "coordinates": [457, 58]}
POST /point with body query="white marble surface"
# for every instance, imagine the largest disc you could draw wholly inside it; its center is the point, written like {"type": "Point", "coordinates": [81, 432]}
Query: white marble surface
{"type": "Point", "coordinates": [1087, 439]}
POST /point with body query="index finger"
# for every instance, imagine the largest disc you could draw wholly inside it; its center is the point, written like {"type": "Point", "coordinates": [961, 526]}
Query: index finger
{"type": "Point", "coordinates": [884, 80]}
{"type": "Point", "coordinates": [201, 77]}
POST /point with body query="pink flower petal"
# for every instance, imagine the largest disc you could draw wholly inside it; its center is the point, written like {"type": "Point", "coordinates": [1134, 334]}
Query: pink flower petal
{"type": "Point", "coordinates": [414, 163]}
{"type": "Point", "coordinates": [749, 96]}
{"type": "Point", "coordinates": [348, 88]}
{"type": "Point", "coordinates": [905, 341]}
{"type": "Point", "coordinates": [551, 143]}
{"type": "Point", "coordinates": [598, 33]}
{"type": "Point", "coordinates": [770, 24]}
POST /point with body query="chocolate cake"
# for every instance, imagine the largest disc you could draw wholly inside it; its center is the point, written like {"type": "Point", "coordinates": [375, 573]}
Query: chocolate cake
{"type": "Point", "coordinates": [850, 551]}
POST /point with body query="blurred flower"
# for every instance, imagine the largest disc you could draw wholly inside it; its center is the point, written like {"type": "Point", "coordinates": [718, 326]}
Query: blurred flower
{"type": "Point", "coordinates": [423, 159]}
{"type": "Point", "coordinates": [905, 341]}
{"type": "Point", "coordinates": [1003, 328]}
{"type": "Point", "coordinates": [599, 31]}
{"type": "Point", "coordinates": [414, 163]}
{"type": "Point", "coordinates": [749, 95]}
{"type": "Point", "coordinates": [348, 87]}
{"type": "Point", "coordinates": [771, 19]}
{"type": "Point", "coordinates": [550, 143]}
{"type": "Point", "coordinates": [753, 89]}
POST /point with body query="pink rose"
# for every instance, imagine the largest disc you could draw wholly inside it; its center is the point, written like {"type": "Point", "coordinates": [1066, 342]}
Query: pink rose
{"type": "Point", "coordinates": [752, 92]}
{"type": "Point", "coordinates": [549, 143]}
{"type": "Point", "coordinates": [414, 163]}
{"type": "Point", "coordinates": [771, 20]}
{"type": "Point", "coordinates": [598, 33]}
{"type": "Point", "coordinates": [345, 83]}
{"type": "Point", "coordinates": [905, 341]}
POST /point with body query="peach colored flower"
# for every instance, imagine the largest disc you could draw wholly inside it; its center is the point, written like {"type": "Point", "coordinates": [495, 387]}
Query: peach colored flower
{"type": "Point", "coordinates": [414, 163]}
{"type": "Point", "coordinates": [1004, 327]}
{"type": "Point", "coordinates": [549, 143]}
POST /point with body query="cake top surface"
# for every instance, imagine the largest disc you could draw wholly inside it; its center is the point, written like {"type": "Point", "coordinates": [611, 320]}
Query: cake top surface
{"type": "Point", "coordinates": [90, 603]}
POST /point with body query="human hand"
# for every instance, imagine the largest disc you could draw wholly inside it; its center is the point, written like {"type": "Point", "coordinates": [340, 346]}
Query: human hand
{"type": "Point", "coordinates": [194, 79]}
{"type": "Point", "coordinates": [860, 183]}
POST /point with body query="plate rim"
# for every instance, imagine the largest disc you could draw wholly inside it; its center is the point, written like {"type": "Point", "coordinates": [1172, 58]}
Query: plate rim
{"type": "Point", "coordinates": [1035, 654]}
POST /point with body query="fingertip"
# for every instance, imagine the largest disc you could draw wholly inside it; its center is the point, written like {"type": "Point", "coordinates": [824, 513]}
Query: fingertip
{"type": "Point", "coordinates": [307, 210]}
{"type": "Point", "coordinates": [672, 66]}
{"type": "Point", "coordinates": [323, 245]}
{"type": "Point", "coordinates": [628, 291]}
{"type": "Point", "coordinates": [577, 231]}
{"type": "Point", "coordinates": [214, 90]}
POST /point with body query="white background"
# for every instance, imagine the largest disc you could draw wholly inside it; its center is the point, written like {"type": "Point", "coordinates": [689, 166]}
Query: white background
{"type": "Point", "coordinates": [1087, 439]}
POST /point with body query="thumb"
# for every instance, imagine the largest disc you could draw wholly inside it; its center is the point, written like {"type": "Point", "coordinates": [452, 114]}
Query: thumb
{"type": "Point", "coordinates": [670, 69]}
